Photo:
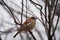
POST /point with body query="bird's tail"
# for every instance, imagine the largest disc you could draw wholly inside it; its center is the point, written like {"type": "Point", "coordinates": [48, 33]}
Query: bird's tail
{"type": "Point", "coordinates": [15, 34]}
{"type": "Point", "coordinates": [19, 31]}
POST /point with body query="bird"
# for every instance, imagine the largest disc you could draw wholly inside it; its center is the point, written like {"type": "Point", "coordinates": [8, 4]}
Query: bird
{"type": "Point", "coordinates": [28, 25]}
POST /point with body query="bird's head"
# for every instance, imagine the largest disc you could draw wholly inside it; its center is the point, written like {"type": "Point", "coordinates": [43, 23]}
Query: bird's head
{"type": "Point", "coordinates": [33, 18]}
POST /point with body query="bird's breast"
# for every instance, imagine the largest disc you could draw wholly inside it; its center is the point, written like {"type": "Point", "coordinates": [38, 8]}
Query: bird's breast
{"type": "Point", "coordinates": [31, 25]}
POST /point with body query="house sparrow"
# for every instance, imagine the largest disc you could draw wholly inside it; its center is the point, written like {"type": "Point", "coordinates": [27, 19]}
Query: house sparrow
{"type": "Point", "coordinates": [27, 25]}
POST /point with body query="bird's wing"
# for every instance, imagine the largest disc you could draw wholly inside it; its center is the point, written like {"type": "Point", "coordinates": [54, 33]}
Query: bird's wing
{"type": "Point", "coordinates": [29, 24]}
{"type": "Point", "coordinates": [26, 22]}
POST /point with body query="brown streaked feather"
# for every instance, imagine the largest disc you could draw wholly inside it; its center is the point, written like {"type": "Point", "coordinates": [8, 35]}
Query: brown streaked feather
{"type": "Point", "coordinates": [30, 25]}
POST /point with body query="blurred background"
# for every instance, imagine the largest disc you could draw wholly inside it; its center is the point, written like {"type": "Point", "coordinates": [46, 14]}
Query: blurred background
{"type": "Point", "coordinates": [11, 10]}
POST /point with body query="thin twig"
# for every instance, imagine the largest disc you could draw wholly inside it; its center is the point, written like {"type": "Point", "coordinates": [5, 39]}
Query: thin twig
{"type": "Point", "coordinates": [54, 10]}
{"type": "Point", "coordinates": [10, 11]}
{"type": "Point", "coordinates": [36, 4]}
{"type": "Point", "coordinates": [32, 35]}
{"type": "Point", "coordinates": [55, 26]}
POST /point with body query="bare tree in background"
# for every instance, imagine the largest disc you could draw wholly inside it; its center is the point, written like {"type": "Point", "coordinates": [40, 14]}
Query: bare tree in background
{"type": "Point", "coordinates": [50, 10]}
